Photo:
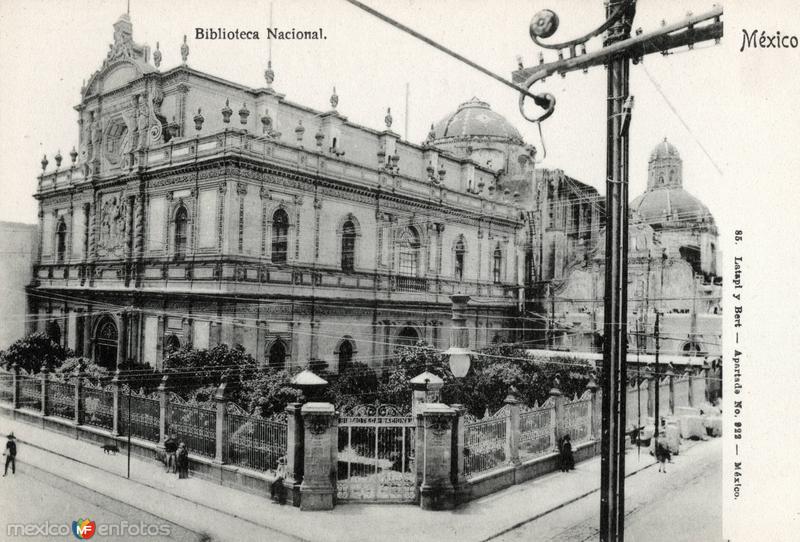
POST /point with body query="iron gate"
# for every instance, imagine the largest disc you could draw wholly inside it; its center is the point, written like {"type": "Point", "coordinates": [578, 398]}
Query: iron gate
{"type": "Point", "coordinates": [376, 455]}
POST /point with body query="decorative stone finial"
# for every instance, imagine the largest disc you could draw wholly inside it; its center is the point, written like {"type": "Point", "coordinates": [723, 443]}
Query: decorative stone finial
{"type": "Point", "coordinates": [184, 50]}
{"type": "Point", "coordinates": [44, 162]}
{"type": "Point", "coordinates": [198, 120]}
{"type": "Point", "coordinates": [73, 155]}
{"type": "Point", "coordinates": [269, 74]}
{"type": "Point", "coordinates": [299, 131]}
{"type": "Point", "coordinates": [157, 55]}
{"type": "Point", "coordinates": [334, 99]}
{"type": "Point", "coordinates": [319, 136]}
{"type": "Point", "coordinates": [244, 113]}
{"type": "Point", "coordinates": [227, 112]}
{"type": "Point", "coordinates": [431, 134]}
{"type": "Point", "coordinates": [442, 173]}
{"type": "Point", "coordinates": [430, 171]}
{"type": "Point", "coordinates": [266, 122]}
{"type": "Point", "coordinates": [58, 158]}
{"type": "Point", "coordinates": [388, 118]}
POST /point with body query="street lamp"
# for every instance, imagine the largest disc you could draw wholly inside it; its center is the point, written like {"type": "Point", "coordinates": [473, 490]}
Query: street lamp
{"type": "Point", "coordinates": [459, 352]}
{"type": "Point", "coordinates": [460, 360]}
{"type": "Point", "coordinates": [309, 384]}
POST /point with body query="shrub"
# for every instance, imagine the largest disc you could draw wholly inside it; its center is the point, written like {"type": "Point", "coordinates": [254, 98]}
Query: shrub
{"type": "Point", "coordinates": [32, 352]}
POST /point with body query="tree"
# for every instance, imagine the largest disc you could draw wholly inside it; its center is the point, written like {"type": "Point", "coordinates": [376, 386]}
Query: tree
{"type": "Point", "coordinates": [89, 369]}
{"type": "Point", "coordinates": [269, 392]}
{"type": "Point", "coordinates": [34, 351]}
{"type": "Point", "coordinates": [356, 384]}
{"type": "Point", "coordinates": [196, 373]}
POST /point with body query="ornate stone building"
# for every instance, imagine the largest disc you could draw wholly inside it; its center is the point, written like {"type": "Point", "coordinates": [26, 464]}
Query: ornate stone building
{"type": "Point", "coordinates": [198, 211]}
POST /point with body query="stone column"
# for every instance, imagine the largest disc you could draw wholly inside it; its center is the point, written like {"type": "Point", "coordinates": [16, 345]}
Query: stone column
{"type": "Point", "coordinates": [116, 390]}
{"type": "Point", "coordinates": [162, 411]}
{"type": "Point", "coordinates": [45, 374]}
{"type": "Point", "coordinates": [123, 338]}
{"type": "Point", "coordinates": [78, 396]}
{"type": "Point", "coordinates": [318, 489]}
{"type": "Point", "coordinates": [426, 389]}
{"type": "Point", "coordinates": [512, 427]}
{"type": "Point", "coordinates": [87, 332]}
{"type": "Point", "coordinates": [457, 475]}
{"type": "Point", "coordinates": [558, 403]}
{"type": "Point", "coordinates": [294, 451]}
{"type": "Point", "coordinates": [437, 491]}
{"type": "Point", "coordinates": [221, 399]}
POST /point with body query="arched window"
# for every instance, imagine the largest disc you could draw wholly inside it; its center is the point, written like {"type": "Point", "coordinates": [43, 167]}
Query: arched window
{"type": "Point", "coordinates": [53, 331]}
{"type": "Point", "coordinates": [280, 236]}
{"type": "Point", "coordinates": [408, 336]}
{"type": "Point", "coordinates": [345, 354]}
{"type": "Point", "coordinates": [460, 251]}
{"type": "Point", "coordinates": [106, 343]}
{"type": "Point", "coordinates": [277, 355]}
{"type": "Point", "coordinates": [409, 252]}
{"type": "Point", "coordinates": [61, 240]}
{"type": "Point", "coordinates": [172, 344]}
{"type": "Point", "coordinates": [181, 221]}
{"type": "Point", "coordinates": [498, 265]}
{"type": "Point", "coordinates": [348, 246]}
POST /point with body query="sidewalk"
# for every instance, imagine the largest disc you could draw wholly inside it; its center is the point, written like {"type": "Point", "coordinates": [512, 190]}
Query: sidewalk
{"type": "Point", "coordinates": [228, 514]}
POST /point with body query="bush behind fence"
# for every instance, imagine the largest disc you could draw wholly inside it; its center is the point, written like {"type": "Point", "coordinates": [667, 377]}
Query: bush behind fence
{"type": "Point", "coordinates": [255, 442]}
{"type": "Point", "coordinates": [194, 425]}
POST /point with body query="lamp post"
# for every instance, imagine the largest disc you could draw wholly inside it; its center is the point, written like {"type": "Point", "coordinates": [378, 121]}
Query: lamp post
{"type": "Point", "coordinates": [459, 352]}
{"type": "Point", "coordinates": [309, 384]}
{"type": "Point", "coordinates": [619, 49]}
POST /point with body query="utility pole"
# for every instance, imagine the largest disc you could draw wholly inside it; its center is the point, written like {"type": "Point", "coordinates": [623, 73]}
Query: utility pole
{"type": "Point", "coordinates": [619, 49]}
{"type": "Point", "coordinates": [657, 334]}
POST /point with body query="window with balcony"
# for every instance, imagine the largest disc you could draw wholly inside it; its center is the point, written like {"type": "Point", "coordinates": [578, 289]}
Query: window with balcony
{"type": "Point", "coordinates": [409, 252]}
{"type": "Point", "coordinates": [61, 240]}
{"type": "Point", "coordinates": [181, 222]}
{"type": "Point", "coordinates": [280, 236]}
{"type": "Point", "coordinates": [460, 251]}
{"type": "Point", "coordinates": [348, 246]}
{"type": "Point", "coordinates": [497, 268]}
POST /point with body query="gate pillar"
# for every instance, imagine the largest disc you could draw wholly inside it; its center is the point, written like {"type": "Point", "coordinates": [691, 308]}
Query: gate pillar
{"type": "Point", "coordinates": [294, 452]}
{"type": "Point", "coordinates": [320, 456]}
{"type": "Point", "coordinates": [437, 491]}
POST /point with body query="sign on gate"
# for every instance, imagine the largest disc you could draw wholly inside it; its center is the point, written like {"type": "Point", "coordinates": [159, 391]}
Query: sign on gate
{"type": "Point", "coordinates": [376, 455]}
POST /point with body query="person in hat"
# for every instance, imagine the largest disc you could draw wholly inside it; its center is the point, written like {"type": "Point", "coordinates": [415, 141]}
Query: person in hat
{"type": "Point", "coordinates": [183, 461]}
{"type": "Point", "coordinates": [171, 449]}
{"type": "Point", "coordinates": [11, 454]}
{"type": "Point", "coordinates": [277, 491]}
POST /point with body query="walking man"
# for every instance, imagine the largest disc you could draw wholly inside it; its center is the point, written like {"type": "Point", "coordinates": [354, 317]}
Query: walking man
{"type": "Point", "coordinates": [11, 454]}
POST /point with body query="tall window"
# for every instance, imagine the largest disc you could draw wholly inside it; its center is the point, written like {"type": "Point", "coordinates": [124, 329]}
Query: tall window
{"type": "Point", "coordinates": [61, 240]}
{"type": "Point", "coordinates": [498, 265]}
{"type": "Point", "coordinates": [277, 355]}
{"type": "Point", "coordinates": [409, 252]}
{"type": "Point", "coordinates": [181, 220]}
{"type": "Point", "coordinates": [459, 263]}
{"type": "Point", "coordinates": [280, 236]}
{"type": "Point", "coordinates": [345, 354]}
{"type": "Point", "coordinates": [348, 246]}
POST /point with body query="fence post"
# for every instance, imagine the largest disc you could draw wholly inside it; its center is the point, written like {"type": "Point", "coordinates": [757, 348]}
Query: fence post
{"type": "Point", "coordinates": [221, 398]}
{"type": "Point", "coordinates": [558, 409]}
{"type": "Point", "coordinates": [458, 477]}
{"type": "Point", "coordinates": [671, 377]}
{"type": "Point", "coordinates": [318, 489]}
{"type": "Point", "coordinates": [512, 427]}
{"type": "Point", "coordinates": [45, 377]}
{"type": "Point", "coordinates": [595, 407]}
{"type": "Point", "coordinates": [115, 382]}
{"type": "Point", "coordinates": [294, 451]}
{"type": "Point", "coordinates": [15, 386]}
{"type": "Point", "coordinates": [78, 396]}
{"type": "Point", "coordinates": [162, 411]}
{"type": "Point", "coordinates": [437, 491]}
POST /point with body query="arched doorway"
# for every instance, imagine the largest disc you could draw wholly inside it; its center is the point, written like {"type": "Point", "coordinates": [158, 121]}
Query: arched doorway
{"type": "Point", "coordinates": [408, 336]}
{"type": "Point", "coordinates": [277, 355]}
{"type": "Point", "coordinates": [345, 353]}
{"type": "Point", "coordinates": [106, 343]}
{"type": "Point", "coordinates": [172, 344]}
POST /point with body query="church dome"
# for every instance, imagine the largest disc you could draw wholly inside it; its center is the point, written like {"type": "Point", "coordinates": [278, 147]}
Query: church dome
{"type": "Point", "coordinates": [475, 119]}
{"type": "Point", "coordinates": [664, 150]}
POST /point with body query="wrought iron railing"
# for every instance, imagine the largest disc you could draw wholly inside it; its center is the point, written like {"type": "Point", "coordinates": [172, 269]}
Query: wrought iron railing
{"type": "Point", "coordinates": [193, 425]}
{"type": "Point", "coordinates": [61, 399]}
{"type": "Point", "coordinates": [144, 417]}
{"type": "Point", "coordinates": [30, 392]}
{"type": "Point", "coordinates": [485, 444]}
{"type": "Point", "coordinates": [98, 407]}
{"type": "Point", "coordinates": [254, 442]}
{"type": "Point", "coordinates": [6, 386]}
{"type": "Point", "coordinates": [411, 284]}
{"type": "Point", "coordinates": [536, 430]}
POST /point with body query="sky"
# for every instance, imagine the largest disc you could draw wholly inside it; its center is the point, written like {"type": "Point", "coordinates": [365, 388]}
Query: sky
{"type": "Point", "coordinates": [49, 47]}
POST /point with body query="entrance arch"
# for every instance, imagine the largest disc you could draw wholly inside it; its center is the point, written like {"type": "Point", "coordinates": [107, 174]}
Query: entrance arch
{"type": "Point", "coordinates": [106, 343]}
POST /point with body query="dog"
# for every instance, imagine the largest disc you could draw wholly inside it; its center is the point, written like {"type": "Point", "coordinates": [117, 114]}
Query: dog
{"type": "Point", "coordinates": [110, 449]}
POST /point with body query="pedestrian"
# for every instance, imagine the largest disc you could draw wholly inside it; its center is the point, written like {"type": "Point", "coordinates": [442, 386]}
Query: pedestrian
{"type": "Point", "coordinates": [662, 453]}
{"type": "Point", "coordinates": [11, 454]}
{"type": "Point", "coordinates": [567, 459]}
{"type": "Point", "coordinates": [277, 490]}
{"type": "Point", "coordinates": [182, 461]}
{"type": "Point", "coordinates": [171, 448]}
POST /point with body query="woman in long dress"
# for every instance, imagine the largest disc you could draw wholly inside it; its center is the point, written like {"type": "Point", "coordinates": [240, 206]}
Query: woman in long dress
{"type": "Point", "coordinates": [183, 461]}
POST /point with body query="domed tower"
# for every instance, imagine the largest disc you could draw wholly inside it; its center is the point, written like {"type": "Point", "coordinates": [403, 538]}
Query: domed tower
{"type": "Point", "coordinates": [684, 224]}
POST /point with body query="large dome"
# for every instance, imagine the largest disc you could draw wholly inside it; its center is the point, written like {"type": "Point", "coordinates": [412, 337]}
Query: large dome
{"type": "Point", "coordinates": [475, 119]}
{"type": "Point", "coordinates": [664, 150]}
{"type": "Point", "coordinates": [669, 204]}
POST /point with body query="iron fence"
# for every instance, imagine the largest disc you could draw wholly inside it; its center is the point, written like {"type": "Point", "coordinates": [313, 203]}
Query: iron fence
{"type": "Point", "coordinates": [61, 399]}
{"type": "Point", "coordinates": [254, 442]}
{"type": "Point", "coordinates": [484, 445]}
{"type": "Point", "coordinates": [98, 407]}
{"type": "Point", "coordinates": [6, 386]}
{"type": "Point", "coordinates": [193, 425]}
{"type": "Point", "coordinates": [30, 392]}
{"type": "Point", "coordinates": [536, 431]}
{"type": "Point", "coordinates": [578, 420]}
{"type": "Point", "coordinates": [144, 417]}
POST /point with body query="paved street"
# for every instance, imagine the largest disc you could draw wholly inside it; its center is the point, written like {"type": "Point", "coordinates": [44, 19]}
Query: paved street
{"type": "Point", "coordinates": [33, 496]}
{"type": "Point", "coordinates": [683, 505]}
